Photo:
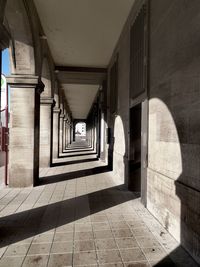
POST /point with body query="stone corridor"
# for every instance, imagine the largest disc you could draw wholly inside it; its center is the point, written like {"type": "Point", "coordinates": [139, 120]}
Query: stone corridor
{"type": "Point", "coordinates": [81, 215]}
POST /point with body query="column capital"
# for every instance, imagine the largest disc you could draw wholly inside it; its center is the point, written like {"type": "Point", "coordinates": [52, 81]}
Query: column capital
{"type": "Point", "coordinates": [56, 110]}
{"type": "Point", "coordinates": [25, 81]}
{"type": "Point", "coordinates": [47, 101]}
{"type": "Point", "coordinates": [62, 116]}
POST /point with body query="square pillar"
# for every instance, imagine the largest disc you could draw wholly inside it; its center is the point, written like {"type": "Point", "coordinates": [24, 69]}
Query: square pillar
{"type": "Point", "coordinates": [46, 128]}
{"type": "Point", "coordinates": [61, 121]}
{"type": "Point", "coordinates": [64, 133]}
{"type": "Point", "coordinates": [24, 130]}
{"type": "Point", "coordinates": [56, 114]}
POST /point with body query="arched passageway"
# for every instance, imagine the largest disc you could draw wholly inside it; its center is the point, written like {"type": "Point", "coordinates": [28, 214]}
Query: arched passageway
{"type": "Point", "coordinates": [92, 191]}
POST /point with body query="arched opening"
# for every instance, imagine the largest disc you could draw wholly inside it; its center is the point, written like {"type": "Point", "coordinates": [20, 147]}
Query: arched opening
{"type": "Point", "coordinates": [80, 132]}
{"type": "Point", "coordinates": [4, 116]}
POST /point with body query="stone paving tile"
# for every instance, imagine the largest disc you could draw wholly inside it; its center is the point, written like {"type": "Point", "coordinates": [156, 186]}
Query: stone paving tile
{"type": "Point", "coordinates": [111, 265]}
{"type": "Point", "coordinates": [87, 245]}
{"type": "Point", "coordinates": [43, 238]}
{"type": "Point", "coordinates": [122, 233]}
{"type": "Point", "coordinates": [138, 264]}
{"type": "Point", "coordinates": [146, 242]}
{"type": "Point", "coordinates": [41, 248]}
{"type": "Point", "coordinates": [126, 242]}
{"type": "Point", "coordinates": [155, 253]}
{"type": "Point", "coordinates": [11, 261]}
{"type": "Point", "coordinates": [84, 258]}
{"type": "Point", "coordinates": [83, 235]}
{"type": "Point", "coordinates": [103, 244]}
{"type": "Point", "coordinates": [61, 237]}
{"type": "Point", "coordinates": [102, 234]}
{"type": "Point", "coordinates": [18, 250]}
{"type": "Point", "coordinates": [87, 221]}
{"type": "Point", "coordinates": [60, 260]}
{"type": "Point", "coordinates": [37, 260]}
{"type": "Point", "coordinates": [109, 256]}
{"type": "Point", "coordinates": [134, 254]}
{"type": "Point", "coordinates": [62, 247]}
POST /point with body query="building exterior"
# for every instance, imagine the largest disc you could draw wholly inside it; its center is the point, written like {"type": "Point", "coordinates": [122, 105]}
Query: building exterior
{"type": "Point", "coordinates": [142, 106]}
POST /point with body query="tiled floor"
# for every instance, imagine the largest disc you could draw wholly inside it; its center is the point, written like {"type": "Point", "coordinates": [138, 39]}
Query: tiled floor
{"type": "Point", "coordinates": [84, 219]}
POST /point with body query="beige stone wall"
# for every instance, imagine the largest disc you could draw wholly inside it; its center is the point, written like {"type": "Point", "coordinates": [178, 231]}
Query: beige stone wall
{"type": "Point", "coordinates": [174, 140]}
{"type": "Point", "coordinates": [173, 181]}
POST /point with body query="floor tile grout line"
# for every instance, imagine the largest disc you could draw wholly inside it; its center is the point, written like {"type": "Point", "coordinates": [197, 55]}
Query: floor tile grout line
{"type": "Point", "coordinates": [40, 221]}
{"type": "Point", "coordinates": [11, 200]}
{"type": "Point", "coordinates": [97, 258]}
{"type": "Point", "coordinates": [4, 252]}
{"type": "Point", "coordinates": [2, 189]}
{"type": "Point", "coordinates": [116, 243]}
{"type": "Point", "coordinates": [154, 237]}
{"type": "Point", "coordinates": [56, 226]}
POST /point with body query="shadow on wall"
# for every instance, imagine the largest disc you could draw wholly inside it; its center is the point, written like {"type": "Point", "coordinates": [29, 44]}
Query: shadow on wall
{"type": "Point", "coordinates": [171, 168]}
{"type": "Point", "coordinates": [172, 172]}
{"type": "Point", "coordinates": [170, 185]}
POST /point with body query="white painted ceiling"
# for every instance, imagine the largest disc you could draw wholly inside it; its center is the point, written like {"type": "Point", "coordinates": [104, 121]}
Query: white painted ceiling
{"type": "Point", "coordinates": [83, 32]}
{"type": "Point", "coordinates": [80, 98]}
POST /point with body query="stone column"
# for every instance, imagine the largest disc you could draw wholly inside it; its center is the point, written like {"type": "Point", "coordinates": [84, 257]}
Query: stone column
{"type": "Point", "coordinates": [70, 133]}
{"type": "Point", "coordinates": [64, 132]}
{"type": "Point", "coordinates": [61, 120]}
{"type": "Point", "coordinates": [46, 105]}
{"type": "Point", "coordinates": [73, 131]}
{"type": "Point", "coordinates": [24, 130]}
{"type": "Point", "coordinates": [56, 113]}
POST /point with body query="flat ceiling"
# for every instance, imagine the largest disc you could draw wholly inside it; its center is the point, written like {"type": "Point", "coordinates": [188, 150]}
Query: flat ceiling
{"type": "Point", "coordinates": [83, 32]}
{"type": "Point", "coordinates": [80, 98]}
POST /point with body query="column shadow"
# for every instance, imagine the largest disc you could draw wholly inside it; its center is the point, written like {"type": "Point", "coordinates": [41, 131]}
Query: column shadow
{"type": "Point", "coordinates": [26, 224]}
{"type": "Point", "coordinates": [73, 175]}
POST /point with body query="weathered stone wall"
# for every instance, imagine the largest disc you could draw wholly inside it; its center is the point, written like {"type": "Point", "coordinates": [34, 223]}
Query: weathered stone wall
{"type": "Point", "coordinates": [174, 141]}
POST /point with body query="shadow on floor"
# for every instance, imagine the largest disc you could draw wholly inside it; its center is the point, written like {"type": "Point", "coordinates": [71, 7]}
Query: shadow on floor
{"type": "Point", "coordinates": [73, 175]}
{"type": "Point", "coordinates": [77, 155]}
{"type": "Point", "coordinates": [73, 162]}
{"type": "Point", "coordinates": [26, 224]}
{"type": "Point", "coordinates": [76, 151]}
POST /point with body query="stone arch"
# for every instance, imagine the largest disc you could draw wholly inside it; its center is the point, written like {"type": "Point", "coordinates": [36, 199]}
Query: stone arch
{"type": "Point", "coordinates": [22, 52]}
{"type": "Point", "coordinates": [119, 147]}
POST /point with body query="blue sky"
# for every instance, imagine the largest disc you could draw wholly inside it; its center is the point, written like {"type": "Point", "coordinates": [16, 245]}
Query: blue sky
{"type": "Point", "coordinates": [5, 62]}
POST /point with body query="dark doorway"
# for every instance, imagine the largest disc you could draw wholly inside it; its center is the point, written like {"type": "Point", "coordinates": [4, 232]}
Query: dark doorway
{"type": "Point", "coordinates": [135, 148]}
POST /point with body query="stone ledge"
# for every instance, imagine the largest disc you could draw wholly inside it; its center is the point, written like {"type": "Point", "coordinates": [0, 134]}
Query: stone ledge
{"type": "Point", "coordinates": [47, 101]}
{"type": "Point", "coordinates": [56, 110]}
{"type": "Point", "coordinates": [25, 81]}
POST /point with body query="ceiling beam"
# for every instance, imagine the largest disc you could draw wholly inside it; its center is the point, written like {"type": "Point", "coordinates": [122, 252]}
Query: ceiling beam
{"type": "Point", "coordinates": [80, 69]}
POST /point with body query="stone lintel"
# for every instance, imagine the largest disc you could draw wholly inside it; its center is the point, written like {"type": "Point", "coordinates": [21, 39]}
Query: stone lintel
{"type": "Point", "coordinates": [25, 81]}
